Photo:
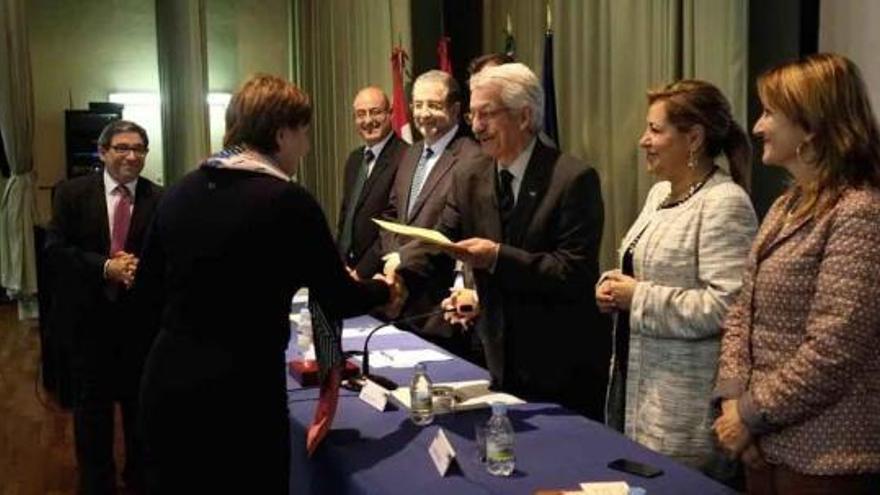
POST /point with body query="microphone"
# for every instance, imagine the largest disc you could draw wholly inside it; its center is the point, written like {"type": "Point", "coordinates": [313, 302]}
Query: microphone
{"type": "Point", "coordinates": [384, 382]}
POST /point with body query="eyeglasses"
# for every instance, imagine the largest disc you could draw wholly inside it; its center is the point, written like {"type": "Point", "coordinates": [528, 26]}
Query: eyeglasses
{"type": "Point", "coordinates": [373, 112]}
{"type": "Point", "coordinates": [122, 149]}
{"type": "Point", "coordinates": [474, 115]}
{"type": "Point", "coordinates": [434, 106]}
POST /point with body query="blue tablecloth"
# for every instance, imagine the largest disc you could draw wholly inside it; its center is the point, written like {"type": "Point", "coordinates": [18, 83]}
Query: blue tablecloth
{"type": "Point", "coordinates": [372, 452]}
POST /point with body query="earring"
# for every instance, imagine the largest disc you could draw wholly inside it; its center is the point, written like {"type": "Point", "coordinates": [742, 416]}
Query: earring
{"type": "Point", "coordinates": [691, 162]}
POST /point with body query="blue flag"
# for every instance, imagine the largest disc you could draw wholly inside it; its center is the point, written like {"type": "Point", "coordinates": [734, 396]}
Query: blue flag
{"type": "Point", "coordinates": [551, 128]}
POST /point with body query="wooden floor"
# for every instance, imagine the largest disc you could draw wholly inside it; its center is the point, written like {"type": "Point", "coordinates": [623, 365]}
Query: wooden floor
{"type": "Point", "coordinates": [36, 436]}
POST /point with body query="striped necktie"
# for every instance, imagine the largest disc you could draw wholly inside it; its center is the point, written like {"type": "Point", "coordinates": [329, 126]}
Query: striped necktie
{"type": "Point", "coordinates": [418, 179]}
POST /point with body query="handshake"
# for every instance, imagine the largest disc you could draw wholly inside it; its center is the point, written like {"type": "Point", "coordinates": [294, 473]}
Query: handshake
{"type": "Point", "coordinates": [461, 307]}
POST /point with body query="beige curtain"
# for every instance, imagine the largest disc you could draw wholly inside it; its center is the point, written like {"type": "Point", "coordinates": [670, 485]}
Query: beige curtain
{"type": "Point", "coordinates": [18, 274]}
{"type": "Point", "coordinates": [343, 46]}
{"type": "Point", "coordinates": [183, 82]}
{"type": "Point", "coordinates": [608, 53]}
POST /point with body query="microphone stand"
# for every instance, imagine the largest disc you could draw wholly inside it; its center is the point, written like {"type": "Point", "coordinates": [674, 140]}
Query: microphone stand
{"type": "Point", "coordinates": [382, 381]}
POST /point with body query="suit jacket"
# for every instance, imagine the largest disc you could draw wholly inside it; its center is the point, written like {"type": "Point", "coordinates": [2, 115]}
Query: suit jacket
{"type": "Point", "coordinates": [801, 348]}
{"type": "Point", "coordinates": [426, 213]}
{"type": "Point", "coordinates": [542, 334]}
{"type": "Point", "coordinates": [78, 243]}
{"type": "Point", "coordinates": [366, 252]}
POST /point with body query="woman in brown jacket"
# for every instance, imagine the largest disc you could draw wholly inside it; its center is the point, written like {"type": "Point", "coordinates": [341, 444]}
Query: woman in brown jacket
{"type": "Point", "coordinates": [799, 374]}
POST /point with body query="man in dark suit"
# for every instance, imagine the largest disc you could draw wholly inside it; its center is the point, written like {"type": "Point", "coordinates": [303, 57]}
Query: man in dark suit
{"type": "Point", "coordinates": [529, 222]}
{"type": "Point", "coordinates": [419, 195]}
{"type": "Point", "coordinates": [369, 173]}
{"type": "Point", "coordinates": [98, 226]}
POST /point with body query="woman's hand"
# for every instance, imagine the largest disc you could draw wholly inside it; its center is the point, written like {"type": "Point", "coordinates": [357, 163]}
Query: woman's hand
{"type": "Point", "coordinates": [732, 433]}
{"type": "Point", "coordinates": [604, 298]}
{"type": "Point", "coordinates": [621, 287]}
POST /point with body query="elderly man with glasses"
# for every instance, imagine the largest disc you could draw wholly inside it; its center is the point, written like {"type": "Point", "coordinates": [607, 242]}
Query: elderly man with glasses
{"type": "Point", "coordinates": [95, 240]}
{"type": "Point", "coordinates": [528, 219]}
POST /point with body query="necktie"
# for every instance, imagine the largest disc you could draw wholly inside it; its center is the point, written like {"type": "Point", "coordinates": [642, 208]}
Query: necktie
{"type": "Point", "coordinates": [121, 220]}
{"type": "Point", "coordinates": [353, 200]}
{"type": "Point", "coordinates": [505, 197]}
{"type": "Point", "coordinates": [418, 179]}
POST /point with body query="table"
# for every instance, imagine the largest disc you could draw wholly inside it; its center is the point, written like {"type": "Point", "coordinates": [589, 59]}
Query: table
{"type": "Point", "coordinates": [372, 452]}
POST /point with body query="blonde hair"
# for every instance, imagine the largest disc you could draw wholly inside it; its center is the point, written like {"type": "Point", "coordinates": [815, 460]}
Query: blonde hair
{"type": "Point", "coordinates": [690, 102]}
{"type": "Point", "coordinates": [826, 96]}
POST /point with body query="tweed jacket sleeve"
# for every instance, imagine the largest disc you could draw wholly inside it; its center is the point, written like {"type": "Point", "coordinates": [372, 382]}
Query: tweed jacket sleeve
{"type": "Point", "coordinates": [669, 304]}
{"type": "Point", "coordinates": [842, 320]}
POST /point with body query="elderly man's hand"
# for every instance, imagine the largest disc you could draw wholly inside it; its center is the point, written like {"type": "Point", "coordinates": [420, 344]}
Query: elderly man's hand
{"type": "Point", "coordinates": [477, 252]}
{"type": "Point", "coordinates": [462, 306]}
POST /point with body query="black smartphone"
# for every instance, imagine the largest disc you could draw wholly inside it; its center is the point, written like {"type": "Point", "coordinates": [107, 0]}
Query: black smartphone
{"type": "Point", "coordinates": [636, 468]}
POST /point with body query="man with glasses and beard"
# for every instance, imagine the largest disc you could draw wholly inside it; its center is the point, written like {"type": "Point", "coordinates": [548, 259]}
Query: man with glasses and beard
{"type": "Point", "coordinates": [369, 174]}
{"type": "Point", "coordinates": [94, 244]}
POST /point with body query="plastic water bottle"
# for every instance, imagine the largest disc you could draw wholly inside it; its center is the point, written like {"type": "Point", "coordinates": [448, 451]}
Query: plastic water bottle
{"type": "Point", "coordinates": [421, 397]}
{"type": "Point", "coordinates": [304, 334]}
{"type": "Point", "coordinates": [500, 459]}
{"type": "Point", "coordinates": [293, 352]}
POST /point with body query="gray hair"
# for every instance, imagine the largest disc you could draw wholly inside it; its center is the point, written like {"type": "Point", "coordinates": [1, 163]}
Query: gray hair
{"type": "Point", "coordinates": [519, 88]}
{"type": "Point", "coordinates": [118, 127]}
{"type": "Point", "coordinates": [453, 90]}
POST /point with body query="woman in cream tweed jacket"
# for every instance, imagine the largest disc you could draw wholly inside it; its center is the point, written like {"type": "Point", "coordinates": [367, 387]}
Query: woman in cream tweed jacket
{"type": "Point", "coordinates": [682, 264]}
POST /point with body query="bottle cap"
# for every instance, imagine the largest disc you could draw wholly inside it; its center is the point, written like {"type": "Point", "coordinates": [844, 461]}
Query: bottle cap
{"type": "Point", "coordinates": [499, 408]}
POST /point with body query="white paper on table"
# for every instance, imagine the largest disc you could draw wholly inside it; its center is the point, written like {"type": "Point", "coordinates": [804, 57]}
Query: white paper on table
{"type": "Point", "coordinates": [399, 358]}
{"type": "Point", "coordinates": [378, 359]}
{"type": "Point", "coordinates": [411, 357]}
{"type": "Point", "coordinates": [605, 488]}
{"type": "Point", "coordinates": [355, 332]}
{"type": "Point", "coordinates": [467, 395]}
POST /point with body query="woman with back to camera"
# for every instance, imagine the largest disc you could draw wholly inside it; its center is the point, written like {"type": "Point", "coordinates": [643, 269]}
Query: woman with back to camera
{"type": "Point", "coordinates": [681, 265]}
{"type": "Point", "coordinates": [229, 246]}
{"type": "Point", "coordinates": [799, 375]}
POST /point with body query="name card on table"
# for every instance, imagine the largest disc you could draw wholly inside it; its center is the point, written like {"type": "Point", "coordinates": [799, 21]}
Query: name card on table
{"type": "Point", "coordinates": [605, 488]}
{"type": "Point", "coordinates": [441, 452]}
{"type": "Point", "coordinates": [374, 395]}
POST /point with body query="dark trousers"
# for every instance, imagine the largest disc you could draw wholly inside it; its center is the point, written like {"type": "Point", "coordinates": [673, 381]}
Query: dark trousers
{"type": "Point", "coordinates": [98, 389]}
{"type": "Point", "coordinates": [107, 360]}
{"type": "Point", "coordinates": [780, 480]}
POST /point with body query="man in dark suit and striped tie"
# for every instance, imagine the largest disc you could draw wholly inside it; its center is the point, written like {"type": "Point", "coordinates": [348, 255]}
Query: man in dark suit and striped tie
{"type": "Point", "coordinates": [369, 173]}
{"type": "Point", "coordinates": [95, 240]}
{"type": "Point", "coordinates": [419, 195]}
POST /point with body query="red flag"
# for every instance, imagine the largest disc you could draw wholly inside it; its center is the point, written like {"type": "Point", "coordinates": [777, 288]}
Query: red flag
{"type": "Point", "coordinates": [443, 55]}
{"type": "Point", "coordinates": [325, 411]}
{"type": "Point", "coordinates": [399, 106]}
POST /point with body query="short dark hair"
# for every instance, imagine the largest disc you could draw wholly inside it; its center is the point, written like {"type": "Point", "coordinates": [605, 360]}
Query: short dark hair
{"type": "Point", "coordinates": [482, 61]}
{"type": "Point", "coordinates": [453, 90]}
{"type": "Point", "coordinates": [264, 105]}
{"type": "Point", "coordinates": [118, 127]}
